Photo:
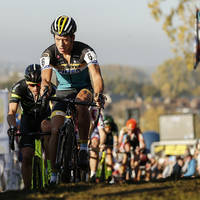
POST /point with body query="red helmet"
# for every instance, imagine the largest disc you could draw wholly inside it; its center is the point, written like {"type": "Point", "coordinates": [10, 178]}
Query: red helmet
{"type": "Point", "coordinates": [131, 123]}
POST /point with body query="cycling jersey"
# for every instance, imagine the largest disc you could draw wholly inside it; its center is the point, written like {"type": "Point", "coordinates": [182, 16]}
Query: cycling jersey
{"type": "Point", "coordinates": [113, 132]}
{"type": "Point", "coordinates": [30, 111]}
{"type": "Point", "coordinates": [29, 106]}
{"type": "Point", "coordinates": [74, 74]}
{"type": "Point", "coordinates": [134, 139]}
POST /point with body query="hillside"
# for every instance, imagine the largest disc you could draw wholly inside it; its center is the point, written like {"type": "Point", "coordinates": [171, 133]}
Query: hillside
{"type": "Point", "coordinates": [108, 71]}
{"type": "Point", "coordinates": [126, 73]}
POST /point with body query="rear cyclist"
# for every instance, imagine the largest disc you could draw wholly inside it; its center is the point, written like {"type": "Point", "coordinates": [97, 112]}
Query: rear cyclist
{"type": "Point", "coordinates": [133, 140]}
{"type": "Point", "coordinates": [74, 63]}
{"type": "Point", "coordinates": [97, 139]}
{"type": "Point", "coordinates": [111, 130]}
{"type": "Point", "coordinates": [27, 93]}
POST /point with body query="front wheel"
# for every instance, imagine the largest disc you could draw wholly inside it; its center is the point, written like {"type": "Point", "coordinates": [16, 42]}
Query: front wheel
{"type": "Point", "coordinates": [69, 145]}
{"type": "Point", "coordinates": [36, 173]}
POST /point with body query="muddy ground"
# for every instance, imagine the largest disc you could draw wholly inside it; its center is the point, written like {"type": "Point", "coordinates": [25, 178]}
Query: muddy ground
{"type": "Point", "coordinates": [160, 190]}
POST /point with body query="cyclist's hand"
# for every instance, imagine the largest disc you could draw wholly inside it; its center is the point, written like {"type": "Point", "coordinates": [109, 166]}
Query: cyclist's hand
{"type": "Point", "coordinates": [12, 129]}
{"type": "Point", "coordinates": [45, 91]}
{"type": "Point", "coordinates": [100, 100]}
{"type": "Point", "coordinates": [137, 150]}
{"type": "Point", "coordinates": [102, 147]}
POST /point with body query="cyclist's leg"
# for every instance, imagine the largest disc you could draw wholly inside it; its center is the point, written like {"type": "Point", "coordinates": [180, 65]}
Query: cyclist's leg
{"type": "Point", "coordinates": [109, 162]}
{"type": "Point", "coordinates": [137, 166]}
{"type": "Point", "coordinates": [94, 156]}
{"type": "Point", "coordinates": [26, 168]}
{"type": "Point", "coordinates": [83, 124]}
{"type": "Point", "coordinates": [109, 156]}
{"type": "Point", "coordinates": [46, 127]}
{"type": "Point", "coordinates": [56, 122]}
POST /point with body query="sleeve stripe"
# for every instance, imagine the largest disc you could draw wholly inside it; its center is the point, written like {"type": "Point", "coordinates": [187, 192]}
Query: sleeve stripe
{"type": "Point", "coordinates": [16, 96]}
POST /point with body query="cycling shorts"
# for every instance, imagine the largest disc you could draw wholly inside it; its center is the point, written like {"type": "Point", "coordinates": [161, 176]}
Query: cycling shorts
{"type": "Point", "coordinates": [109, 140]}
{"type": "Point", "coordinates": [29, 125]}
{"type": "Point", "coordinates": [59, 108]}
{"type": "Point", "coordinates": [95, 135]}
{"type": "Point", "coordinates": [127, 139]}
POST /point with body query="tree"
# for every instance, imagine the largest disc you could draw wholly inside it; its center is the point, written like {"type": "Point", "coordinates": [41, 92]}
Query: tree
{"type": "Point", "coordinates": [174, 79]}
{"type": "Point", "coordinates": [178, 25]}
{"type": "Point", "coordinates": [150, 118]}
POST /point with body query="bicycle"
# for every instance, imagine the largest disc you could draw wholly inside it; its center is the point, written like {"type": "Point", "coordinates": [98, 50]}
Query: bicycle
{"type": "Point", "coordinates": [101, 169]}
{"type": "Point", "coordinates": [39, 176]}
{"type": "Point", "coordinates": [67, 150]}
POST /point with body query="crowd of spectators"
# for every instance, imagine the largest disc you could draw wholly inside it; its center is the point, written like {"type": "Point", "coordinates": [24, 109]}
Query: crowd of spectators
{"type": "Point", "coordinates": [168, 167]}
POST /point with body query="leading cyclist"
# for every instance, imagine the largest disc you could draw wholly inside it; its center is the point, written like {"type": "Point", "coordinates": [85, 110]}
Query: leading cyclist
{"type": "Point", "coordinates": [27, 92]}
{"type": "Point", "coordinates": [73, 63]}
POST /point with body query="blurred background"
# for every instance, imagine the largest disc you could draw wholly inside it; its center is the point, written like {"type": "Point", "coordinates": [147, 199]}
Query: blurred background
{"type": "Point", "coordinates": [145, 50]}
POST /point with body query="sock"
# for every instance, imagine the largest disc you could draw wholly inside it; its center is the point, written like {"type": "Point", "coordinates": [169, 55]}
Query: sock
{"type": "Point", "coordinates": [92, 173]}
{"type": "Point", "coordinates": [109, 173]}
{"type": "Point", "coordinates": [84, 144]}
{"type": "Point", "coordinates": [53, 176]}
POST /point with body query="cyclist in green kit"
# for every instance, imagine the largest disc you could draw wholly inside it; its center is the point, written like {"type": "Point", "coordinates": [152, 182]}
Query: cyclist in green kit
{"type": "Point", "coordinates": [27, 93]}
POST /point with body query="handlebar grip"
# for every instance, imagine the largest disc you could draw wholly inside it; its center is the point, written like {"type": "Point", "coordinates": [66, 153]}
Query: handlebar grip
{"type": "Point", "coordinates": [12, 131]}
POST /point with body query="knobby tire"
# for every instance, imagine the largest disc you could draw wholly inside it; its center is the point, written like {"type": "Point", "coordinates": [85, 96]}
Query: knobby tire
{"type": "Point", "coordinates": [36, 173]}
{"type": "Point", "coordinates": [68, 154]}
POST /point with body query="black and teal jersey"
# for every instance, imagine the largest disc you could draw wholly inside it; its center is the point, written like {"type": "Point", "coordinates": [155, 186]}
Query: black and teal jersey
{"type": "Point", "coordinates": [74, 74]}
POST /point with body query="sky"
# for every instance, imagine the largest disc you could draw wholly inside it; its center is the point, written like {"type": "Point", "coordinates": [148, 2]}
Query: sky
{"type": "Point", "coordinates": [121, 32]}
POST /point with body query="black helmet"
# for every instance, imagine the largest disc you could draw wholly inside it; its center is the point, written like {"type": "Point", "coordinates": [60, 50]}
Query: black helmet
{"type": "Point", "coordinates": [33, 73]}
{"type": "Point", "coordinates": [63, 25]}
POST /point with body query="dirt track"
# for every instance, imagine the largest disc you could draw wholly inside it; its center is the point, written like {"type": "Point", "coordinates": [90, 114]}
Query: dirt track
{"type": "Point", "coordinates": [160, 190]}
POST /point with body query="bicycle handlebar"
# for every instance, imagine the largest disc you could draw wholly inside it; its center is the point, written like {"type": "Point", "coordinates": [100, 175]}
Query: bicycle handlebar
{"type": "Point", "coordinates": [26, 135]}
{"type": "Point", "coordinates": [71, 101]}
{"type": "Point", "coordinates": [34, 134]}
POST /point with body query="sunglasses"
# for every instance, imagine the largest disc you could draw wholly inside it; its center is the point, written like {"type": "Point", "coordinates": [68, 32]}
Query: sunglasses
{"type": "Point", "coordinates": [33, 85]}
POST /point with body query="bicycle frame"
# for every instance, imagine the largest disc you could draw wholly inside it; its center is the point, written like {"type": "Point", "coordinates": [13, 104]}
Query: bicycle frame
{"type": "Point", "coordinates": [67, 150]}
{"type": "Point", "coordinates": [39, 176]}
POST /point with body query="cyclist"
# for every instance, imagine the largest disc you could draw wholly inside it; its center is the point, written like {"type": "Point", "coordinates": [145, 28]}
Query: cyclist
{"type": "Point", "coordinates": [111, 130]}
{"type": "Point", "coordinates": [26, 92]}
{"type": "Point", "coordinates": [73, 63]}
{"type": "Point", "coordinates": [134, 140]}
{"type": "Point", "coordinates": [97, 139]}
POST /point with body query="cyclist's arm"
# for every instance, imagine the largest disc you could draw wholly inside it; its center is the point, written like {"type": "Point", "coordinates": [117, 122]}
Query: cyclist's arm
{"type": "Point", "coordinates": [11, 114]}
{"type": "Point", "coordinates": [102, 134]}
{"type": "Point", "coordinates": [141, 141]}
{"type": "Point", "coordinates": [46, 80]}
{"type": "Point", "coordinates": [96, 78]}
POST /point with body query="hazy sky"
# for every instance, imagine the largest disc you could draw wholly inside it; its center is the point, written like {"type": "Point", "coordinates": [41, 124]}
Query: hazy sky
{"type": "Point", "coordinates": [121, 32]}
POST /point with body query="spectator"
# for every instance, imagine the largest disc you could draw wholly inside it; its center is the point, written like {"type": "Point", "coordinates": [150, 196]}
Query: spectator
{"type": "Point", "coordinates": [185, 161]}
{"type": "Point", "coordinates": [191, 167]}
{"type": "Point", "coordinates": [176, 173]}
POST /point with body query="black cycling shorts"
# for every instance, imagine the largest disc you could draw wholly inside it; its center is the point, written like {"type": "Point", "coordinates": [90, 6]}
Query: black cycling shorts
{"type": "Point", "coordinates": [29, 125]}
{"type": "Point", "coordinates": [109, 140]}
{"type": "Point", "coordinates": [61, 107]}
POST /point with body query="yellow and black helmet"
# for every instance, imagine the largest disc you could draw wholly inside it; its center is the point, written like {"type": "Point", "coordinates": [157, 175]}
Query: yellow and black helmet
{"type": "Point", "coordinates": [63, 25]}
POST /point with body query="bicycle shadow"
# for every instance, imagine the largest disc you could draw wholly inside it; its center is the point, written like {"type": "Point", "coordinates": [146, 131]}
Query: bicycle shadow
{"type": "Point", "coordinates": [125, 193]}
